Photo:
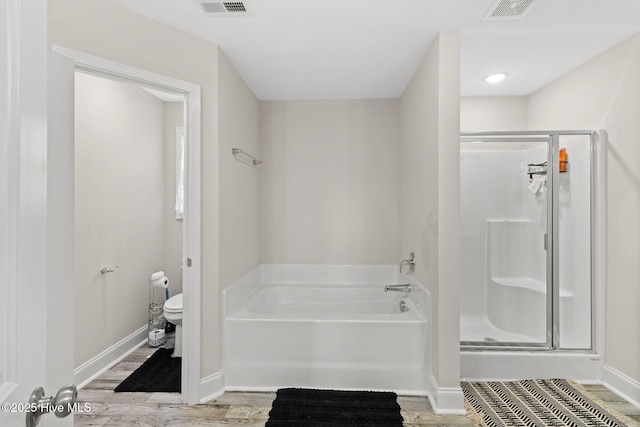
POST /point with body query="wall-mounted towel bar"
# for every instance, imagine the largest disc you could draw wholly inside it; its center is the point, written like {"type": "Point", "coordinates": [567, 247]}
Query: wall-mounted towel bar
{"type": "Point", "coordinates": [541, 168]}
{"type": "Point", "coordinates": [237, 151]}
{"type": "Point", "coordinates": [536, 169]}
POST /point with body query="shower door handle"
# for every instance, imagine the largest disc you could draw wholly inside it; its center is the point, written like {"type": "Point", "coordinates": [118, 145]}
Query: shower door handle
{"type": "Point", "coordinates": [545, 241]}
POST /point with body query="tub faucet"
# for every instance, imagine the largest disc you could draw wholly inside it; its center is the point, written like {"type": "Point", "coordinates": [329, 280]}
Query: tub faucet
{"type": "Point", "coordinates": [398, 288]}
{"type": "Point", "coordinates": [411, 262]}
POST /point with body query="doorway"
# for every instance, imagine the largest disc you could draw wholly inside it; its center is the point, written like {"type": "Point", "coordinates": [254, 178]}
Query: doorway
{"type": "Point", "coordinates": [128, 222]}
{"type": "Point", "coordinates": [191, 223]}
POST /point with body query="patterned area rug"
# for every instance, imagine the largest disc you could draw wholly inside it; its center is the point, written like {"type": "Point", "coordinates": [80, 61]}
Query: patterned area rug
{"type": "Point", "coordinates": [534, 403]}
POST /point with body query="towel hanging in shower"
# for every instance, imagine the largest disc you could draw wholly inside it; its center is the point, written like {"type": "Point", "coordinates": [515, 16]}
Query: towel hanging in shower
{"type": "Point", "coordinates": [538, 184]}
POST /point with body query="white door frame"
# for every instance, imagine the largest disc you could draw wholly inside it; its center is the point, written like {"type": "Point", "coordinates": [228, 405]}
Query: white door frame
{"type": "Point", "coordinates": [192, 218]}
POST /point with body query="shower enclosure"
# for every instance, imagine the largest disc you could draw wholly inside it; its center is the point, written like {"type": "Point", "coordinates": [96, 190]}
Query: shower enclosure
{"type": "Point", "coordinates": [529, 240]}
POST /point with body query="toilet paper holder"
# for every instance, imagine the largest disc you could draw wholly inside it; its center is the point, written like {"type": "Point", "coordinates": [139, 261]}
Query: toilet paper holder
{"type": "Point", "coordinates": [105, 270]}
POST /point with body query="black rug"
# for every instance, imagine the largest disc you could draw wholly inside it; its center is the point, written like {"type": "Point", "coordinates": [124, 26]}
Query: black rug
{"type": "Point", "coordinates": [160, 373]}
{"type": "Point", "coordinates": [299, 407]}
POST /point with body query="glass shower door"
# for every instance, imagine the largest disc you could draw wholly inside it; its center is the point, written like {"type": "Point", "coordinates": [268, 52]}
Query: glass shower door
{"type": "Point", "coordinates": [576, 179]}
{"type": "Point", "coordinates": [505, 291]}
{"type": "Point", "coordinates": [529, 231]}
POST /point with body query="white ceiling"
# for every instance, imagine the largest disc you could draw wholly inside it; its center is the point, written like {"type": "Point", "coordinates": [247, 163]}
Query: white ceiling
{"type": "Point", "coordinates": [338, 49]}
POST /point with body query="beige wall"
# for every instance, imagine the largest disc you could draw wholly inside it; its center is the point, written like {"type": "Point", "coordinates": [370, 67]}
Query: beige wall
{"type": "Point", "coordinates": [448, 373]}
{"type": "Point", "coordinates": [493, 113]}
{"type": "Point", "coordinates": [102, 29]}
{"type": "Point", "coordinates": [605, 93]}
{"type": "Point", "coordinates": [330, 180]}
{"type": "Point", "coordinates": [239, 209]}
{"type": "Point", "coordinates": [173, 118]}
{"type": "Point", "coordinates": [429, 204]}
{"type": "Point", "coordinates": [119, 210]}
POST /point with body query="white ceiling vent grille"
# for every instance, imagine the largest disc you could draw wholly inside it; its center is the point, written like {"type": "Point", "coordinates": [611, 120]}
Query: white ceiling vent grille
{"type": "Point", "coordinates": [225, 8]}
{"type": "Point", "coordinates": [509, 9]}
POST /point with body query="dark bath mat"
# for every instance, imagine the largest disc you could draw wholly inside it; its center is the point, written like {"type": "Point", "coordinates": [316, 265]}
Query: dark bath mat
{"type": "Point", "coordinates": [299, 407]}
{"type": "Point", "coordinates": [160, 373]}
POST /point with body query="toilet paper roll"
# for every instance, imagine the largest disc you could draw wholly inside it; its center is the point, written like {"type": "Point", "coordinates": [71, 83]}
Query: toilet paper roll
{"type": "Point", "coordinates": [156, 334]}
{"type": "Point", "coordinates": [160, 283]}
{"type": "Point", "coordinates": [157, 338]}
{"type": "Point", "coordinates": [157, 275]}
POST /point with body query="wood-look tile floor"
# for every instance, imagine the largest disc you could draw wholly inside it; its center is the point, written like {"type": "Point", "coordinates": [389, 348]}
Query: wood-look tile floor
{"type": "Point", "coordinates": [236, 409]}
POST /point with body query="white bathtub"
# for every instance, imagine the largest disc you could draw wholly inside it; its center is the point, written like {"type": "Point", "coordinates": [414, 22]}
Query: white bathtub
{"type": "Point", "coordinates": [325, 335]}
{"type": "Point", "coordinates": [326, 302]}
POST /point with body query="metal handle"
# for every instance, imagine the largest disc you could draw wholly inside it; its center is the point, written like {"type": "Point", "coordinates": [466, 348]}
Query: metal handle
{"type": "Point", "coordinates": [411, 261]}
{"type": "Point", "coordinates": [62, 404]}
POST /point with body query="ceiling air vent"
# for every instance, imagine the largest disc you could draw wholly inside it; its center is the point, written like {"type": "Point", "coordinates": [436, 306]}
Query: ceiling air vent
{"type": "Point", "coordinates": [508, 9]}
{"type": "Point", "coordinates": [226, 8]}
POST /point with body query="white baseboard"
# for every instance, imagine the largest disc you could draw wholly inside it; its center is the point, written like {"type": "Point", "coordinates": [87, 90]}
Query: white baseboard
{"type": "Point", "coordinates": [621, 384]}
{"type": "Point", "coordinates": [516, 365]}
{"type": "Point", "coordinates": [446, 400]}
{"type": "Point", "coordinates": [211, 387]}
{"type": "Point", "coordinates": [93, 368]}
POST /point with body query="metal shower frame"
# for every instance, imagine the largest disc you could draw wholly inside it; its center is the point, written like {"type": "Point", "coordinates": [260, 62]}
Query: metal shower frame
{"type": "Point", "coordinates": [597, 140]}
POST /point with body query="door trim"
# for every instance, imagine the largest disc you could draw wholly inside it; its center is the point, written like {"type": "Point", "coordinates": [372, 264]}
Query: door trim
{"type": "Point", "coordinates": [191, 273]}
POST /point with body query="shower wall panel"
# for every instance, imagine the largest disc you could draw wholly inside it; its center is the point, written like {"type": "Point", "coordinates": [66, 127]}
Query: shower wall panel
{"type": "Point", "coordinates": [489, 186]}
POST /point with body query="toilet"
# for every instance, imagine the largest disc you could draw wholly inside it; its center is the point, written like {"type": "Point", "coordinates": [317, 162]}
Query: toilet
{"type": "Point", "coordinates": [173, 313]}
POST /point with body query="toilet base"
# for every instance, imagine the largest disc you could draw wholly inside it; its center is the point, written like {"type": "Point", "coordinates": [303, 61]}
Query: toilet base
{"type": "Point", "coordinates": [177, 350]}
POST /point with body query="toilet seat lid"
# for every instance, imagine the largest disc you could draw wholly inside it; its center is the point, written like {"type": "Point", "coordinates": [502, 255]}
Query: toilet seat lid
{"type": "Point", "coordinates": [174, 303]}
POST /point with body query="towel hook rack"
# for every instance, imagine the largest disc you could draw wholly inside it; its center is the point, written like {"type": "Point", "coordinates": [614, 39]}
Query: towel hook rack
{"type": "Point", "coordinates": [254, 161]}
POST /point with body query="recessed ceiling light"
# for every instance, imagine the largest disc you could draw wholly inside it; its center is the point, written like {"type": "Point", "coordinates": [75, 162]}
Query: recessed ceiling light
{"type": "Point", "coordinates": [496, 78]}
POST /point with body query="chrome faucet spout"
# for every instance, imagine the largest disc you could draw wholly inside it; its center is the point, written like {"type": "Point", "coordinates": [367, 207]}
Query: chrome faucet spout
{"type": "Point", "coordinates": [398, 288]}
